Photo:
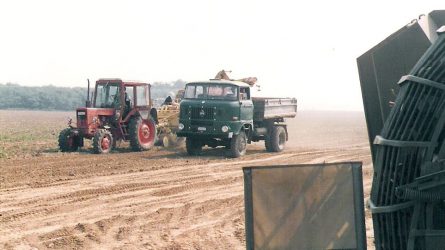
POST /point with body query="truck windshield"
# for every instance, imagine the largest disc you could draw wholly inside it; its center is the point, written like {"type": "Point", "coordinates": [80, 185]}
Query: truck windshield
{"type": "Point", "coordinates": [214, 91]}
{"type": "Point", "coordinates": [107, 96]}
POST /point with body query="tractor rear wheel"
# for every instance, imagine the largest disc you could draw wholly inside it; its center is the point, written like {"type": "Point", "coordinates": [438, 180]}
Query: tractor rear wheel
{"type": "Point", "coordinates": [102, 141]}
{"type": "Point", "coordinates": [193, 146]}
{"type": "Point", "coordinates": [142, 134]}
{"type": "Point", "coordinates": [68, 142]}
{"type": "Point", "coordinates": [238, 145]}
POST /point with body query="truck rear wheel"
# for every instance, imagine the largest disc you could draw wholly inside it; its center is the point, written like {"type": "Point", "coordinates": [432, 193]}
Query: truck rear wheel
{"type": "Point", "coordinates": [238, 145]}
{"type": "Point", "coordinates": [194, 147]}
{"type": "Point", "coordinates": [277, 139]}
{"type": "Point", "coordinates": [142, 134]}
{"type": "Point", "coordinates": [67, 141]}
{"type": "Point", "coordinates": [267, 144]}
{"type": "Point", "coordinates": [102, 141]}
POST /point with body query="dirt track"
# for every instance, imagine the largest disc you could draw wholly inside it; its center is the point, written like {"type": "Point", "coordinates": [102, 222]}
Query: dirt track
{"type": "Point", "coordinates": [161, 199]}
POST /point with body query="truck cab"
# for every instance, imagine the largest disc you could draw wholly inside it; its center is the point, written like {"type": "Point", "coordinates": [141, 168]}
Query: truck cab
{"type": "Point", "coordinates": [216, 108]}
{"type": "Point", "coordinates": [222, 113]}
{"type": "Point", "coordinates": [213, 112]}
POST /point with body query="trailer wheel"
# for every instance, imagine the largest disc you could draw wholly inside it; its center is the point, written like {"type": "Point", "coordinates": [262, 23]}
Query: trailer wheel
{"type": "Point", "coordinates": [277, 139]}
{"type": "Point", "coordinates": [194, 147]}
{"type": "Point", "coordinates": [238, 145]}
{"type": "Point", "coordinates": [172, 140]}
{"type": "Point", "coordinates": [102, 141]}
{"type": "Point", "coordinates": [67, 141]}
{"type": "Point", "coordinates": [166, 141]}
{"type": "Point", "coordinates": [142, 134]}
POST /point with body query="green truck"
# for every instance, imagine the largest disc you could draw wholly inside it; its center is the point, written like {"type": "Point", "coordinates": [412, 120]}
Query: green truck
{"type": "Point", "coordinates": [223, 113]}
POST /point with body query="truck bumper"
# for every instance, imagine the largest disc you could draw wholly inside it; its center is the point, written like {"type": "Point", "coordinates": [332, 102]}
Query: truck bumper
{"type": "Point", "coordinates": [227, 135]}
{"type": "Point", "coordinates": [210, 129]}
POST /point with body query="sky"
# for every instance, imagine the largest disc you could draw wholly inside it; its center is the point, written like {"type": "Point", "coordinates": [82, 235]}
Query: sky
{"type": "Point", "coordinates": [301, 49]}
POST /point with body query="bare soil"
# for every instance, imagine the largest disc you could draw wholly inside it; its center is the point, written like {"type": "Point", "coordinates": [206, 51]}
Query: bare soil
{"type": "Point", "coordinates": [159, 199]}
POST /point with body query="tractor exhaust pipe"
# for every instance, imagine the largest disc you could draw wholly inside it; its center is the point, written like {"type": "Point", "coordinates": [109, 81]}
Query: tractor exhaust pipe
{"type": "Point", "coordinates": [88, 102]}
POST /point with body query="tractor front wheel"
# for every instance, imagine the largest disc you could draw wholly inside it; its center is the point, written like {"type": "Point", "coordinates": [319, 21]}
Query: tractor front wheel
{"type": "Point", "coordinates": [102, 141]}
{"type": "Point", "coordinates": [68, 142]}
{"type": "Point", "coordinates": [142, 134]}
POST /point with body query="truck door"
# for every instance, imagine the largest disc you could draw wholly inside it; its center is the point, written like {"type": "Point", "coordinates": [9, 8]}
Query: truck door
{"type": "Point", "coordinates": [246, 109]}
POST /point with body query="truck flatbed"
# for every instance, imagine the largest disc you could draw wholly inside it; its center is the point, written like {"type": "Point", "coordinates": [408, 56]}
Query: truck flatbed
{"type": "Point", "coordinates": [271, 107]}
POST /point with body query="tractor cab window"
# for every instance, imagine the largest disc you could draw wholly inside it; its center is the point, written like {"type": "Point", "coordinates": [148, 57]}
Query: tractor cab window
{"type": "Point", "coordinates": [129, 93]}
{"type": "Point", "coordinates": [142, 96]}
{"type": "Point", "coordinates": [107, 96]}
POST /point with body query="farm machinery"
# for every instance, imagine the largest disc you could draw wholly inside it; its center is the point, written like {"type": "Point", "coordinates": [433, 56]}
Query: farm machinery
{"type": "Point", "coordinates": [168, 121]}
{"type": "Point", "coordinates": [118, 111]}
{"type": "Point", "coordinates": [407, 134]}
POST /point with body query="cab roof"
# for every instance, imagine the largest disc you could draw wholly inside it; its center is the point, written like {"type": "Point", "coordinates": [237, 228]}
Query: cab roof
{"type": "Point", "coordinates": [236, 83]}
{"type": "Point", "coordinates": [118, 80]}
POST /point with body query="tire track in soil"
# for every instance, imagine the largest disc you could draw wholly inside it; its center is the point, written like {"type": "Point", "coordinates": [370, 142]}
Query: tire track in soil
{"type": "Point", "coordinates": [189, 203]}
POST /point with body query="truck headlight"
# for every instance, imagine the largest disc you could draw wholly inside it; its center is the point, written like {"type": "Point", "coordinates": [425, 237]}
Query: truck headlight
{"type": "Point", "coordinates": [181, 126]}
{"type": "Point", "coordinates": [224, 129]}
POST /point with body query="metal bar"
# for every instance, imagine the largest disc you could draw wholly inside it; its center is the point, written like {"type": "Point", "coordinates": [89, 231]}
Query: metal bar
{"type": "Point", "coordinates": [421, 80]}
{"type": "Point", "coordinates": [391, 208]}
{"type": "Point", "coordinates": [359, 205]}
{"type": "Point", "coordinates": [248, 204]}
{"type": "Point", "coordinates": [396, 143]}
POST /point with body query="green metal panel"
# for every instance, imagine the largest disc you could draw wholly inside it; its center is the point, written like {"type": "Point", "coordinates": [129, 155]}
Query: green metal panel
{"type": "Point", "coordinates": [246, 111]}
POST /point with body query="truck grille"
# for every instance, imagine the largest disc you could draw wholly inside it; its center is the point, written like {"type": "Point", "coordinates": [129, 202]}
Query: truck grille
{"type": "Point", "coordinates": [201, 123]}
{"type": "Point", "coordinates": [206, 113]}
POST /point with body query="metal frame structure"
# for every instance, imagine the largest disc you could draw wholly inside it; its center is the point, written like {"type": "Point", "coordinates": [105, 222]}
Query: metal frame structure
{"type": "Point", "coordinates": [406, 198]}
{"type": "Point", "coordinates": [357, 186]}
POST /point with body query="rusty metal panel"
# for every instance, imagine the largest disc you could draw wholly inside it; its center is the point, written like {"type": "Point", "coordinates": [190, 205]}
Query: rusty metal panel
{"type": "Point", "coordinates": [305, 207]}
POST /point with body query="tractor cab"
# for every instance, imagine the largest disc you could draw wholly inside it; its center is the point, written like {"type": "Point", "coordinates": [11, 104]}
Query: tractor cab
{"type": "Point", "coordinates": [119, 111]}
{"type": "Point", "coordinates": [123, 97]}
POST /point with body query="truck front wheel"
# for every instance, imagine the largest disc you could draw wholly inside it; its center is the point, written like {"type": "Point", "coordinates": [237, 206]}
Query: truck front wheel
{"type": "Point", "coordinates": [238, 145]}
{"type": "Point", "coordinates": [194, 147]}
{"type": "Point", "coordinates": [277, 139]}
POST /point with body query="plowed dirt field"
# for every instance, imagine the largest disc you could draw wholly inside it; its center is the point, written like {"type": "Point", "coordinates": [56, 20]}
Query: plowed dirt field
{"type": "Point", "coordinates": [159, 199]}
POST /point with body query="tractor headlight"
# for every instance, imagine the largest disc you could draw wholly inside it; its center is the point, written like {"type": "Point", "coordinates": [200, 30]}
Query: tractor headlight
{"type": "Point", "coordinates": [224, 129]}
{"type": "Point", "coordinates": [181, 126]}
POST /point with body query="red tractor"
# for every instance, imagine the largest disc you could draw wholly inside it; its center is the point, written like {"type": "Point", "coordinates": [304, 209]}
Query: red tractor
{"type": "Point", "coordinates": [119, 111]}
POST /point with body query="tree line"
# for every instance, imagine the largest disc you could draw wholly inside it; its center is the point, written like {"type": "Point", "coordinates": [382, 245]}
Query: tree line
{"type": "Point", "coordinates": [15, 96]}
